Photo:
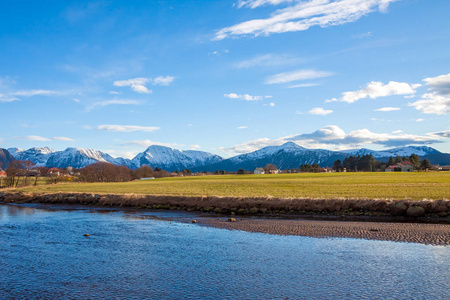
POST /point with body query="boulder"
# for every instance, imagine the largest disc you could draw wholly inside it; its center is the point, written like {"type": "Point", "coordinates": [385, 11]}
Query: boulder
{"type": "Point", "coordinates": [398, 209]}
{"type": "Point", "coordinates": [231, 220]}
{"type": "Point", "coordinates": [415, 211]}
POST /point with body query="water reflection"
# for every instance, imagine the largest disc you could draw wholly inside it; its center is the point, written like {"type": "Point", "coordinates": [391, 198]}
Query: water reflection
{"type": "Point", "coordinates": [7, 211]}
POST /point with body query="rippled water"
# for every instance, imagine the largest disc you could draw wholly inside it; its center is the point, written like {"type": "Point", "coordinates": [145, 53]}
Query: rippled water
{"type": "Point", "coordinates": [43, 254]}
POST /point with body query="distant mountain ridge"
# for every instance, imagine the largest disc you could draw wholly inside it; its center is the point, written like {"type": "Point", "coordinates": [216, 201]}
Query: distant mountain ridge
{"type": "Point", "coordinates": [286, 156]}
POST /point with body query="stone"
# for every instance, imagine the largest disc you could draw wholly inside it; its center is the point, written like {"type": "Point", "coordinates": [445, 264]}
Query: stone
{"type": "Point", "coordinates": [86, 234]}
{"type": "Point", "coordinates": [194, 221]}
{"type": "Point", "coordinates": [398, 209]}
{"type": "Point", "coordinates": [263, 210]}
{"type": "Point", "coordinates": [254, 210]}
{"type": "Point", "coordinates": [442, 214]}
{"type": "Point", "coordinates": [415, 211]}
{"type": "Point", "coordinates": [231, 220]}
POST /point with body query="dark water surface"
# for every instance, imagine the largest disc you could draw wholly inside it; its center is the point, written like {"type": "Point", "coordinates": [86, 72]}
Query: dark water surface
{"type": "Point", "coordinates": [43, 254]}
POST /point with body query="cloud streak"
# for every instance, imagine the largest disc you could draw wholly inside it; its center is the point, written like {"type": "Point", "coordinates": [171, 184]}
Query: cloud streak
{"type": "Point", "coordinates": [302, 15]}
{"type": "Point", "coordinates": [245, 97]}
{"type": "Point", "coordinates": [101, 104]}
{"type": "Point", "coordinates": [127, 128]}
{"type": "Point", "coordinates": [296, 76]}
{"type": "Point", "coordinates": [139, 84]}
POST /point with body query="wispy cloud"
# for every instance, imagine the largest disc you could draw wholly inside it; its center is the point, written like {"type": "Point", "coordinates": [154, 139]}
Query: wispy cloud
{"type": "Point", "coordinates": [302, 16]}
{"type": "Point", "coordinates": [101, 104]}
{"type": "Point", "coordinates": [445, 133]}
{"type": "Point", "coordinates": [245, 97]}
{"type": "Point", "coordinates": [63, 139]}
{"type": "Point", "coordinates": [136, 84]}
{"type": "Point", "coordinates": [139, 84]}
{"type": "Point", "coordinates": [127, 128]}
{"type": "Point", "coordinates": [35, 138]}
{"type": "Point", "coordinates": [387, 109]}
{"type": "Point", "coordinates": [302, 85]}
{"type": "Point", "coordinates": [437, 99]}
{"type": "Point", "coordinates": [31, 93]}
{"type": "Point", "coordinates": [148, 143]}
{"type": "Point", "coordinates": [268, 60]}
{"type": "Point", "coordinates": [319, 111]}
{"type": "Point", "coordinates": [242, 127]}
{"type": "Point", "coordinates": [296, 76]}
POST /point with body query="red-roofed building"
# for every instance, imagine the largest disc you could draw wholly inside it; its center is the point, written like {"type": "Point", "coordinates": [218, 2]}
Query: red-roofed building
{"type": "Point", "coordinates": [2, 174]}
{"type": "Point", "coordinates": [403, 166]}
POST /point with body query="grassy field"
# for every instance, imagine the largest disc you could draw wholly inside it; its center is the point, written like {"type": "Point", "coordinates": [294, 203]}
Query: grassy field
{"type": "Point", "coordinates": [417, 185]}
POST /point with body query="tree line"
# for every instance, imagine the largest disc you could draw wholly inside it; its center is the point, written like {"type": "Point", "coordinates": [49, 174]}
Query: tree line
{"type": "Point", "coordinates": [367, 163]}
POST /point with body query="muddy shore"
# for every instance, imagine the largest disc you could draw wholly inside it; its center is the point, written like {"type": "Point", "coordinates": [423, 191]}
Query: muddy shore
{"type": "Point", "coordinates": [430, 234]}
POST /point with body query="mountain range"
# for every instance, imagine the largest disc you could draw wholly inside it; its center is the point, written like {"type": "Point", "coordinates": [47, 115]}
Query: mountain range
{"type": "Point", "coordinates": [286, 156]}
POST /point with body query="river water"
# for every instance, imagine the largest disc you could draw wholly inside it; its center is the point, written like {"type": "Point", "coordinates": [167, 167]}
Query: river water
{"type": "Point", "coordinates": [135, 255]}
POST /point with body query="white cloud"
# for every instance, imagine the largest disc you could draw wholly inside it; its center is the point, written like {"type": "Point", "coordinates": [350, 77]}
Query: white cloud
{"type": "Point", "coordinates": [271, 104]}
{"type": "Point", "coordinates": [31, 93]}
{"type": "Point", "coordinates": [111, 102]}
{"type": "Point", "coordinates": [319, 111]}
{"type": "Point", "coordinates": [127, 128]}
{"type": "Point", "coordinates": [296, 76]}
{"type": "Point", "coordinates": [387, 109]}
{"type": "Point", "coordinates": [4, 98]}
{"type": "Point", "coordinates": [195, 147]}
{"type": "Point", "coordinates": [242, 127]}
{"type": "Point", "coordinates": [301, 85]}
{"type": "Point", "coordinates": [420, 120]}
{"type": "Point", "coordinates": [148, 143]}
{"type": "Point", "coordinates": [245, 97]}
{"type": "Point", "coordinates": [376, 89]}
{"type": "Point", "coordinates": [397, 131]}
{"type": "Point", "coordinates": [362, 35]}
{"type": "Point", "coordinates": [302, 16]}
{"type": "Point", "coordinates": [136, 84]}
{"type": "Point", "coordinates": [139, 84]}
{"type": "Point", "coordinates": [114, 93]}
{"type": "Point", "coordinates": [257, 3]}
{"type": "Point", "coordinates": [445, 133]}
{"type": "Point", "coordinates": [163, 80]}
{"type": "Point", "coordinates": [437, 99]}
{"type": "Point", "coordinates": [334, 138]}
{"type": "Point", "coordinates": [76, 100]}
{"type": "Point", "coordinates": [62, 138]}
{"type": "Point", "coordinates": [36, 138]}
{"type": "Point", "coordinates": [268, 60]}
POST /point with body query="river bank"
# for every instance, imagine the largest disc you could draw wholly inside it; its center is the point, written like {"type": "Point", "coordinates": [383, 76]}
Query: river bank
{"type": "Point", "coordinates": [406, 209]}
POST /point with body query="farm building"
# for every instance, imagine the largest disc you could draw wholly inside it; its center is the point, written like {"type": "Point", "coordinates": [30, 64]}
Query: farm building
{"type": "Point", "coordinates": [259, 171]}
{"type": "Point", "coordinates": [403, 166]}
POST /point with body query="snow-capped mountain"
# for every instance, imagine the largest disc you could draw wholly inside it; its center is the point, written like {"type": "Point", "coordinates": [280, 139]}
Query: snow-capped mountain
{"type": "Point", "coordinates": [287, 156]}
{"type": "Point", "coordinates": [38, 156]}
{"type": "Point", "coordinates": [73, 157]}
{"type": "Point", "coordinates": [401, 151]}
{"type": "Point", "coordinates": [81, 157]}
{"type": "Point", "coordinates": [5, 158]}
{"type": "Point", "coordinates": [171, 159]}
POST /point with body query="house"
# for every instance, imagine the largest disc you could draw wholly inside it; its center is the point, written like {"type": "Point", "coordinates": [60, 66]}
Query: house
{"type": "Point", "coordinates": [54, 171]}
{"type": "Point", "coordinates": [259, 171]}
{"type": "Point", "coordinates": [2, 174]}
{"type": "Point", "coordinates": [403, 166]}
{"type": "Point", "coordinates": [276, 171]}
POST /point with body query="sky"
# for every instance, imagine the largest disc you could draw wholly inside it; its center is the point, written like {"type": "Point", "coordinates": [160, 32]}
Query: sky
{"type": "Point", "coordinates": [224, 76]}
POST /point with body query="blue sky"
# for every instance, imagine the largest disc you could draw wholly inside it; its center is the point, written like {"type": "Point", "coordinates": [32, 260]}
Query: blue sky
{"type": "Point", "coordinates": [226, 77]}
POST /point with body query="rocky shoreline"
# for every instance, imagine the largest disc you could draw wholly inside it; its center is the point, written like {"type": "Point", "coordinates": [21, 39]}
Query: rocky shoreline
{"type": "Point", "coordinates": [438, 210]}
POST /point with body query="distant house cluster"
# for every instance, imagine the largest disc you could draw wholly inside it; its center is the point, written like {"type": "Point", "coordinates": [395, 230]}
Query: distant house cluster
{"type": "Point", "coordinates": [2, 174]}
{"type": "Point", "coordinates": [403, 166]}
{"type": "Point", "coordinates": [262, 171]}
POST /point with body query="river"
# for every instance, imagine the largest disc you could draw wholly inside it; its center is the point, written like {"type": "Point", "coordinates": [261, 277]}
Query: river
{"type": "Point", "coordinates": [142, 254]}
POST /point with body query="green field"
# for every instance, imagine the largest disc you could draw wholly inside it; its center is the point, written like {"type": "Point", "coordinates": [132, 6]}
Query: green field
{"type": "Point", "coordinates": [417, 185]}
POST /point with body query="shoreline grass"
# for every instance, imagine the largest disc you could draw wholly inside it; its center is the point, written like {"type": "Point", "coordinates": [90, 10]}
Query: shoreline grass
{"type": "Point", "coordinates": [415, 186]}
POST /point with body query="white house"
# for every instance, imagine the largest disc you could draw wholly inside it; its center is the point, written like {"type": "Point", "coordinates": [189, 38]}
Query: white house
{"type": "Point", "coordinates": [259, 171]}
